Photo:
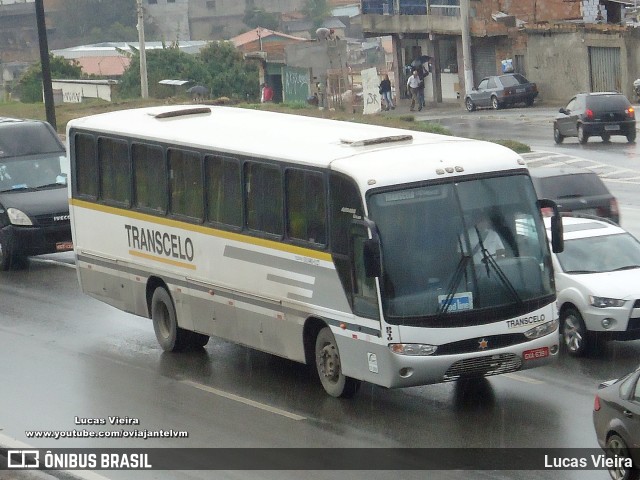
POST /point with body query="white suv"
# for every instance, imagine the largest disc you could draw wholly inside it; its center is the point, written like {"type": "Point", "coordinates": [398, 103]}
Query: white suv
{"type": "Point", "coordinates": [598, 283]}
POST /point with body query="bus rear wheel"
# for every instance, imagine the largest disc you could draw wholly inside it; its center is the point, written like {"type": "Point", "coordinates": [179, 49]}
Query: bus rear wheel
{"type": "Point", "coordinates": [170, 336]}
{"type": "Point", "coordinates": [329, 367]}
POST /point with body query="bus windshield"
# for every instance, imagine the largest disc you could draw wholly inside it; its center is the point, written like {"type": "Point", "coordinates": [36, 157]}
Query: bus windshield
{"type": "Point", "coordinates": [461, 247]}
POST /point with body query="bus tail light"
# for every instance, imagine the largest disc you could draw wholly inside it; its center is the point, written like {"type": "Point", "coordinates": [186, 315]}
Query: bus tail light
{"type": "Point", "coordinates": [413, 349]}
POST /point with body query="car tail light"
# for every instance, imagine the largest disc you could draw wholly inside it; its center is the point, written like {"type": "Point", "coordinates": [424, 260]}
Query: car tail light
{"type": "Point", "coordinates": [613, 206]}
{"type": "Point", "coordinates": [596, 404]}
{"type": "Point", "coordinates": [630, 112]}
{"type": "Point", "coordinates": [589, 114]}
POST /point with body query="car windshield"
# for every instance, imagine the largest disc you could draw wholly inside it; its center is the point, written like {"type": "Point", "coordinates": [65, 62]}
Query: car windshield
{"type": "Point", "coordinates": [605, 253]}
{"type": "Point", "coordinates": [32, 172]}
{"type": "Point", "coordinates": [513, 80]}
{"type": "Point", "coordinates": [463, 247]}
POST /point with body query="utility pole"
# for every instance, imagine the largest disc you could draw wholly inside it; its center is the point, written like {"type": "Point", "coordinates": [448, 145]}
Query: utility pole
{"type": "Point", "coordinates": [144, 86]}
{"type": "Point", "coordinates": [46, 66]}
{"type": "Point", "coordinates": [466, 46]}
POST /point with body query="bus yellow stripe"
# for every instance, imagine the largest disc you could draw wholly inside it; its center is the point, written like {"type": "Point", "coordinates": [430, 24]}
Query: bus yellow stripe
{"type": "Point", "coordinates": [168, 261]}
{"type": "Point", "coordinates": [307, 252]}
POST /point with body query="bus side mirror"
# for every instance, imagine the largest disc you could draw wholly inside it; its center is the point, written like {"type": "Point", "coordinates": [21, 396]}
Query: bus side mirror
{"type": "Point", "coordinates": [371, 257]}
{"type": "Point", "coordinates": [557, 233]}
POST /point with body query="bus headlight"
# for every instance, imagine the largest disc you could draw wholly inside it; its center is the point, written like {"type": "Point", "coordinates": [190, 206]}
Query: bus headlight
{"type": "Point", "coordinates": [412, 349]}
{"type": "Point", "coordinates": [542, 330]}
{"type": "Point", "coordinates": [604, 302]}
{"type": "Point", "coordinates": [18, 217]}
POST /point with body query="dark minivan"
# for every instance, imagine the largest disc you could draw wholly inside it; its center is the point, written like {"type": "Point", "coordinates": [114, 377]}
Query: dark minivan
{"type": "Point", "coordinates": [575, 189]}
{"type": "Point", "coordinates": [34, 205]}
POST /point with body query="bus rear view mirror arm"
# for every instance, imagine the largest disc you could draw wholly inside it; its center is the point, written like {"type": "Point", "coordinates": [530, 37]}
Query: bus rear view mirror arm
{"type": "Point", "coordinates": [557, 241]}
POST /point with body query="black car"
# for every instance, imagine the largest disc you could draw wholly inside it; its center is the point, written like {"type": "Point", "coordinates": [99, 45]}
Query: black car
{"type": "Point", "coordinates": [600, 114]}
{"type": "Point", "coordinates": [34, 205]}
{"type": "Point", "coordinates": [616, 419]}
{"type": "Point", "coordinates": [500, 90]}
{"type": "Point", "coordinates": [575, 189]}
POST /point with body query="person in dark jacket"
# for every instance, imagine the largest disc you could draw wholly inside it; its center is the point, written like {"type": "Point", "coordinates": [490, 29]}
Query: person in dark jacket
{"type": "Point", "coordinates": [385, 92]}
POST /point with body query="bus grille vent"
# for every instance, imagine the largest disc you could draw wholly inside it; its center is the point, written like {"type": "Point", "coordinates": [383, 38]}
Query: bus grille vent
{"type": "Point", "coordinates": [483, 366]}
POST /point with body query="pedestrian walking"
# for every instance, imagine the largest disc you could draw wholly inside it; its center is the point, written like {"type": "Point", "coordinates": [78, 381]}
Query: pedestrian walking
{"type": "Point", "coordinates": [413, 85]}
{"type": "Point", "coordinates": [385, 92]}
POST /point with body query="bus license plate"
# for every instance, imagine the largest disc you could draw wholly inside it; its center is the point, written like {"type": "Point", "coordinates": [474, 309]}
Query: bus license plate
{"type": "Point", "coordinates": [536, 353]}
{"type": "Point", "coordinates": [64, 246]}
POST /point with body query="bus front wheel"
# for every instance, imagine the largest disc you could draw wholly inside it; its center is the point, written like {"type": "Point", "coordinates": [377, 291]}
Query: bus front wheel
{"type": "Point", "coordinates": [170, 336]}
{"type": "Point", "coordinates": [330, 369]}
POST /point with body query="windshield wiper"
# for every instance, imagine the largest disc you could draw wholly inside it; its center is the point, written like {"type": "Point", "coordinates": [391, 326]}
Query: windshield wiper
{"type": "Point", "coordinates": [489, 261]}
{"type": "Point", "coordinates": [49, 185]}
{"type": "Point", "coordinates": [454, 283]}
{"type": "Point", "coordinates": [16, 189]}
{"type": "Point", "coordinates": [582, 271]}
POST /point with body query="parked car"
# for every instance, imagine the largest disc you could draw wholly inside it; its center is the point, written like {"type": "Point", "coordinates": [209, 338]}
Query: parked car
{"type": "Point", "coordinates": [575, 189]}
{"type": "Point", "coordinates": [500, 90]}
{"type": "Point", "coordinates": [596, 114]}
{"type": "Point", "coordinates": [616, 419]}
{"type": "Point", "coordinates": [597, 283]}
{"type": "Point", "coordinates": [34, 205]}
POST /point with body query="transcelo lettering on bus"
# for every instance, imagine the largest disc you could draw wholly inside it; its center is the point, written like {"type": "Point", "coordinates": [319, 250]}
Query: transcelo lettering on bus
{"type": "Point", "coordinates": [523, 321]}
{"type": "Point", "coordinates": [160, 243]}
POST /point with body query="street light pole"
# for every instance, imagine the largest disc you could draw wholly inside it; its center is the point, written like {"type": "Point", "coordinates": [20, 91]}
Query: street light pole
{"type": "Point", "coordinates": [44, 62]}
{"type": "Point", "coordinates": [144, 86]}
{"type": "Point", "coordinates": [466, 46]}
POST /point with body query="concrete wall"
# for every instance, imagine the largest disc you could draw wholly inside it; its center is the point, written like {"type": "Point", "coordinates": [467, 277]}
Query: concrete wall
{"type": "Point", "coordinates": [559, 63]}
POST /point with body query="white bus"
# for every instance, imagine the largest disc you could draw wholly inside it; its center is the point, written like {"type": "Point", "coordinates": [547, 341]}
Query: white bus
{"type": "Point", "coordinates": [346, 246]}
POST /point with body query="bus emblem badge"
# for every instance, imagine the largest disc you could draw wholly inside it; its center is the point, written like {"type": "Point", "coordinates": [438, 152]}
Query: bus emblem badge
{"type": "Point", "coordinates": [482, 344]}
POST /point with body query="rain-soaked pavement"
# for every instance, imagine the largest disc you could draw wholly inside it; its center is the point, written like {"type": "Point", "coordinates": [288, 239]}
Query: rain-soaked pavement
{"type": "Point", "coordinates": [68, 357]}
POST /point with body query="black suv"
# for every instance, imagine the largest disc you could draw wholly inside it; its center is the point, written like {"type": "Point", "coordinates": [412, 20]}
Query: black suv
{"type": "Point", "coordinates": [575, 190]}
{"type": "Point", "coordinates": [589, 114]}
{"type": "Point", "coordinates": [34, 205]}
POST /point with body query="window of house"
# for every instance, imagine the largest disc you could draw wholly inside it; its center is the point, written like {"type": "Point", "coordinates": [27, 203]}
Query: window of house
{"type": "Point", "coordinates": [211, 4]}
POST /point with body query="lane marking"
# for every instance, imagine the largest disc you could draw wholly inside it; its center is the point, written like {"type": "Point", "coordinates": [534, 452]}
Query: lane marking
{"type": "Point", "coordinates": [520, 378]}
{"type": "Point", "coordinates": [246, 401]}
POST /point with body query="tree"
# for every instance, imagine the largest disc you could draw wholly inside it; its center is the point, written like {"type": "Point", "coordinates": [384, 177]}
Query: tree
{"type": "Point", "coordinates": [166, 63]}
{"type": "Point", "coordinates": [231, 75]}
{"type": "Point", "coordinates": [317, 11]}
{"type": "Point", "coordinates": [258, 17]}
{"type": "Point", "coordinates": [30, 83]}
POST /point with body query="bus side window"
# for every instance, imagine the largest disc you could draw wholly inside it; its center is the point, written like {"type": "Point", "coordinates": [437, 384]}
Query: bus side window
{"type": "Point", "coordinates": [185, 182]}
{"type": "Point", "coordinates": [263, 189]}
{"type": "Point", "coordinates": [365, 296]}
{"type": "Point", "coordinates": [115, 172]}
{"type": "Point", "coordinates": [86, 171]}
{"type": "Point", "coordinates": [149, 177]}
{"type": "Point", "coordinates": [223, 186]}
{"type": "Point", "coordinates": [306, 206]}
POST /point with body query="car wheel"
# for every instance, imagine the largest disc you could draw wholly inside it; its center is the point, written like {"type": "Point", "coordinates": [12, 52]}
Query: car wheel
{"type": "Point", "coordinates": [605, 137]}
{"type": "Point", "coordinates": [170, 336]}
{"type": "Point", "coordinates": [557, 136]}
{"type": "Point", "coordinates": [495, 104]}
{"type": "Point", "coordinates": [582, 135]}
{"type": "Point", "coordinates": [529, 102]}
{"type": "Point", "coordinates": [470, 105]}
{"type": "Point", "coordinates": [330, 369]}
{"type": "Point", "coordinates": [631, 136]}
{"type": "Point", "coordinates": [7, 257]}
{"type": "Point", "coordinates": [616, 447]}
{"type": "Point", "coordinates": [574, 332]}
